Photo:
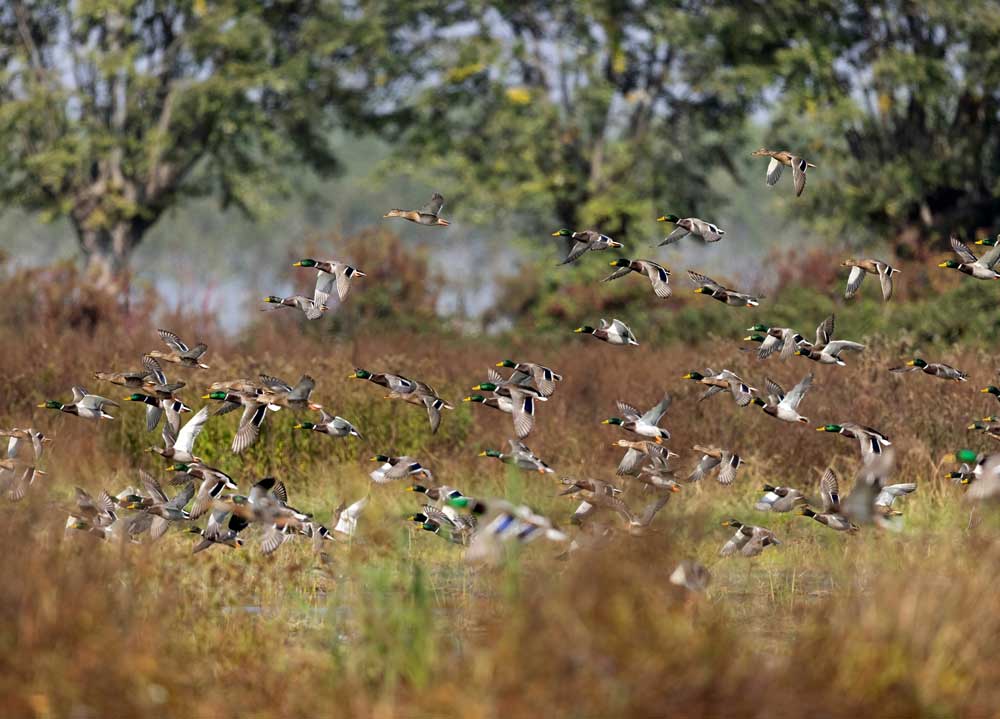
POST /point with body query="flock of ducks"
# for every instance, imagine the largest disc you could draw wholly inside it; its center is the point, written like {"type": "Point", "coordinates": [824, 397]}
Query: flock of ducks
{"type": "Point", "coordinates": [646, 472]}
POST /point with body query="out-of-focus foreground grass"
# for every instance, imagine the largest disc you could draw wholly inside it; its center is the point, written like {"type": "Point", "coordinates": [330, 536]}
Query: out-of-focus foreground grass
{"type": "Point", "coordinates": [395, 623]}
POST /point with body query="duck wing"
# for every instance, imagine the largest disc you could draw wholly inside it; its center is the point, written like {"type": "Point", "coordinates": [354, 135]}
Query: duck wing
{"type": "Point", "coordinates": [854, 281]}
{"type": "Point", "coordinates": [963, 251]}
{"type": "Point", "coordinates": [799, 174]}
{"type": "Point", "coordinates": [773, 174]}
{"type": "Point", "coordinates": [434, 206]}
{"type": "Point", "coordinates": [172, 341]}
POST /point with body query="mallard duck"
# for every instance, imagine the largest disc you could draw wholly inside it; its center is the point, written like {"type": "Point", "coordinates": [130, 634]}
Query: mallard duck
{"type": "Point", "coordinates": [330, 425]}
{"type": "Point", "coordinates": [972, 465]}
{"type": "Point", "coordinates": [393, 468]}
{"type": "Point", "coordinates": [502, 522]}
{"type": "Point", "coordinates": [774, 338]}
{"type": "Point", "coordinates": [213, 483]}
{"type": "Point", "coordinates": [988, 241]}
{"type": "Point", "coordinates": [16, 478]}
{"type": "Point", "coordinates": [501, 403]}
{"type": "Point", "coordinates": [278, 393]}
{"type": "Point", "coordinates": [644, 425]}
{"type": "Point", "coordinates": [708, 286]}
{"type": "Point", "coordinates": [437, 522]}
{"type": "Point", "coordinates": [155, 407]}
{"type": "Point", "coordinates": [408, 390]}
{"type": "Point", "coordinates": [722, 381]}
{"type": "Point", "coordinates": [520, 456]}
{"type": "Point", "coordinates": [712, 457]}
{"type": "Point", "coordinates": [426, 215]}
{"type": "Point", "coordinates": [616, 333]}
{"type": "Point", "coordinates": [658, 473]}
{"type": "Point", "coordinates": [690, 226]}
{"type": "Point", "coordinates": [993, 390]}
{"type": "Point", "coordinates": [827, 350]}
{"type": "Point", "coordinates": [859, 268]}
{"type": "Point", "coordinates": [600, 495]}
{"type": "Point", "coordinates": [637, 453]}
{"type": "Point", "coordinates": [871, 440]}
{"type": "Point", "coordinates": [163, 508]}
{"type": "Point", "coordinates": [542, 377]}
{"type": "Point", "coordinates": [888, 495]}
{"type": "Point", "coordinates": [779, 499]}
{"type": "Point", "coordinates": [328, 272]}
{"type": "Point", "coordinates": [310, 309]}
{"type": "Point", "coordinates": [216, 532]}
{"type": "Point", "coordinates": [981, 268]}
{"type": "Point", "coordinates": [134, 379]}
{"type": "Point", "coordinates": [781, 159]}
{"type": "Point", "coordinates": [748, 540]}
{"type": "Point", "coordinates": [935, 369]}
{"type": "Point", "coordinates": [658, 275]}
{"type": "Point", "coordinates": [785, 406]}
{"type": "Point", "coordinates": [522, 400]}
{"type": "Point", "coordinates": [180, 353]}
{"type": "Point", "coordinates": [181, 448]}
{"type": "Point", "coordinates": [254, 412]}
{"type": "Point", "coordinates": [86, 405]}
{"type": "Point", "coordinates": [830, 516]}
{"type": "Point", "coordinates": [16, 436]}
{"type": "Point", "coordinates": [577, 243]}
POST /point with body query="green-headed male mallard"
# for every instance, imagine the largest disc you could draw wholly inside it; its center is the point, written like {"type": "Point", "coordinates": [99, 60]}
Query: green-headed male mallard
{"type": "Point", "coordinates": [644, 425]}
{"type": "Point", "coordinates": [308, 307]}
{"type": "Point", "coordinates": [779, 499]}
{"type": "Point", "coordinates": [785, 406]}
{"type": "Point", "coordinates": [393, 468]}
{"type": "Point", "coordinates": [827, 350]}
{"type": "Point", "coordinates": [708, 286]}
{"type": "Point", "coordinates": [254, 412]}
{"type": "Point", "coordinates": [773, 339]}
{"type": "Point", "coordinates": [935, 369]}
{"type": "Point", "coordinates": [993, 390]}
{"type": "Point", "coordinates": [330, 425]}
{"type": "Point", "coordinates": [722, 381]}
{"type": "Point", "coordinates": [329, 272]}
{"type": "Point", "coordinates": [427, 215]}
{"type": "Point", "coordinates": [831, 515]}
{"type": "Point", "coordinates": [989, 241]}
{"type": "Point", "coordinates": [690, 226]}
{"type": "Point", "coordinates": [411, 391]}
{"type": "Point", "coordinates": [84, 404]}
{"type": "Point", "coordinates": [981, 268]}
{"type": "Point", "coordinates": [519, 456]}
{"type": "Point", "coordinates": [616, 333]}
{"type": "Point", "coordinates": [859, 268]}
{"type": "Point", "coordinates": [586, 240]}
{"type": "Point", "coordinates": [658, 275]}
{"type": "Point", "coordinates": [781, 159]}
{"type": "Point", "coordinates": [871, 440]}
{"type": "Point", "coordinates": [522, 399]}
{"type": "Point", "coordinates": [179, 352]}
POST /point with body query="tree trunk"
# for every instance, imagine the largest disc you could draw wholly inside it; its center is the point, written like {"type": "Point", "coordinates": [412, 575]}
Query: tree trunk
{"type": "Point", "coordinates": [107, 251]}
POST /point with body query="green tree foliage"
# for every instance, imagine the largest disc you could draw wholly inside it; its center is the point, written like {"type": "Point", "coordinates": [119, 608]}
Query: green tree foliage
{"type": "Point", "coordinates": [898, 104]}
{"type": "Point", "coordinates": [111, 111]}
{"type": "Point", "coordinates": [598, 113]}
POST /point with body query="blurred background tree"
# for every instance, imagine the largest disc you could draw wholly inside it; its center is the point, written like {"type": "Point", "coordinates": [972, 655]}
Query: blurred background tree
{"type": "Point", "coordinates": [112, 111]}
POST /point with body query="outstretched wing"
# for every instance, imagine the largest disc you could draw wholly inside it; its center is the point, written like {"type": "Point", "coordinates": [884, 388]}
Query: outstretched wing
{"type": "Point", "coordinates": [854, 281]}
{"type": "Point", "coordinates": [962, 250]}
{"type": "Point", "coordinates": [799, 174]}
{"type": "Point", "coordinates": [655, 413]}
{"type": "Point", "coordinates": [579, 247]}
{"type": "Point", "coordinates": [172, 341]}
{"type": "Point", "coordinates": [824, 333]}
{"type": "Point", "coordinates": [991, 257]}
{"type": "Point", "coordinates": [830, 491]}
{"type": "Point", "coordinates": [885, 278]}
{"type": "Point", "coordinates": [774, 389]}
{"type": "Point", "coordinates": [434, 206]}
{"type": "Point", "coordinates": [678, 234]}
{"type": "Point", "coordinates": [727, 471]}
{"type": "Point", "coordinates": [190, 431]}
{"type": "Point", "coordinates": [774, 168]}
{"type": "Point", "coordinates": [794, 397]}
{"type": "Point", "coordinates": [704, 281]}
{"type": "Point", "coordinates": [620, 272]}
{"type": "Point", "coordinates": [627, 411]}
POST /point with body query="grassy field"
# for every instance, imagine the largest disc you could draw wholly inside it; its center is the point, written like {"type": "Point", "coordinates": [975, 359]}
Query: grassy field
{"type": "Point", "coordinates": [396, 624]}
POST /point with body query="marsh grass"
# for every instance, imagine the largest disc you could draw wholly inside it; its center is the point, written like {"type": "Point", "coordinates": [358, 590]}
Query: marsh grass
{"type": "Point", "coordinates": [395, 623]}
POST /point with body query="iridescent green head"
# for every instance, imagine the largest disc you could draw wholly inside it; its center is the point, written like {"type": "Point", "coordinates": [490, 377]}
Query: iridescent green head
{"type": "Point", "coordinates": [966, 455]}
{"type": "Point", "coordinates": [490, 453]}
{"type": "Point", "coordinates": [304, 425]}
{"type": "Point", "coordinates": [563, 233]}
{"type": "Point", "coordinates": [380, 458]}
{"type": "Point", "coordinates": [586, 329]}
{"type": "Point", "coordinates": [510, 364]}
{"type": "Point", "coordinates": [51, 404]}
{"type": "Point", "coordinates": [474, 398]}
{"type": "Point", "coordinates": [694, 376]}
{"type": "Point", "coordinates": [829, 428]}
{"type": "Point", "coordinates": [136, 397]}
{"type": "Point", "coordinates": [304, 263]}
{"type": "Point", "coordinates": [273, 299]}
{"type": "Point", "coordinates": [758, 328]}
{"type": "Point", "coordinates": [215, 395]}
{"type": "Point", "coordinates": [988, 241]}
{"type": "Point", "coordinates": [951, 264]}
{"type": "Point", "coordinates": [458, 502]}
{"type": "Point", "coordinates": [486, 387]}
{"type": "Point", "coordinates": [993, 390]}
{"type": "Point", "coordinates": [417, 488]}
{"type": "Point", "coordinates": [613, 420]}
{"type": "Point", "coordinates": [180, 467]}
{"type": "Point", "coordinates": [668, 218]}
{"type": "Point", "coordinates": [360, 374]}
{"type": "Point", "coordinates": [621, 262]}
{"type": "Point", "coordinates": [916, 362]}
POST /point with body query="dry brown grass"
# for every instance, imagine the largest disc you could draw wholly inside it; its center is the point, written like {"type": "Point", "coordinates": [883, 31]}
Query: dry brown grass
{"type": "Point", "coordinates": [875, 624]}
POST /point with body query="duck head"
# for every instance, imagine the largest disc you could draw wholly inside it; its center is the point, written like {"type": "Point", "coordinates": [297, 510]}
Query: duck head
{"type": "Point", "coordinates": [304, 263]}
